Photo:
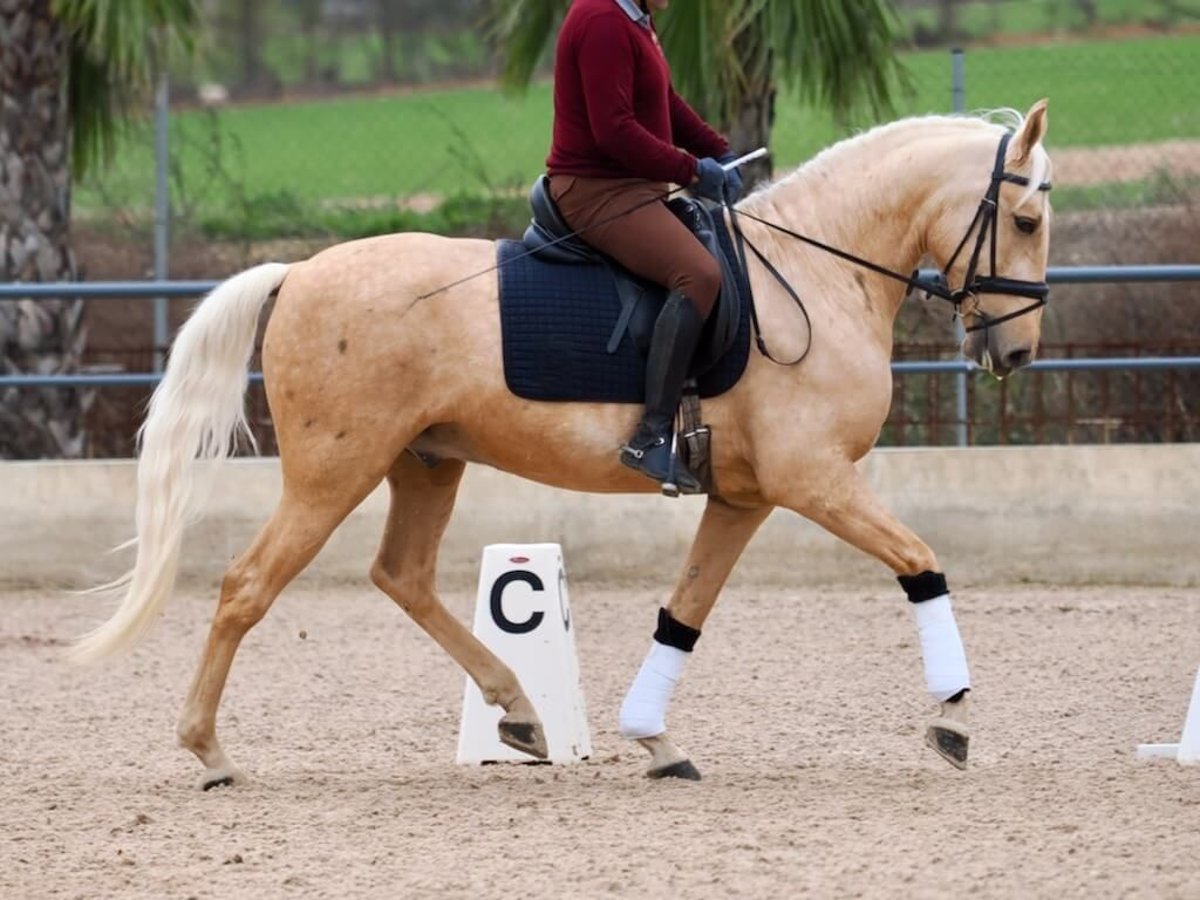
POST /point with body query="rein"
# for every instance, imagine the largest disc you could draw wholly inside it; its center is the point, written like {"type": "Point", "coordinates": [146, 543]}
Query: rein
{"type": "Point", "coordinates": [973, 283]}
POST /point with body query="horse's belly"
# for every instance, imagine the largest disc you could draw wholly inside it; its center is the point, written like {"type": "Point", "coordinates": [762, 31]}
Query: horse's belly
{"type": "Point", "coordinates": [446, 442]}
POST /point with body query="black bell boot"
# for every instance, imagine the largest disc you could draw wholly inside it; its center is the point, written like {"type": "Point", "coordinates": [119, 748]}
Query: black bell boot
{"type": "Point", "coordinates": [676, 333]}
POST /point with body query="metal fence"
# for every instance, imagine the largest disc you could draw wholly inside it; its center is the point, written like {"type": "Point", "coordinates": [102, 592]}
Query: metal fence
{"type": "Point", "coordinates": [1124, 136]}
{"type": "Point", "coordinates": [1075, 393]}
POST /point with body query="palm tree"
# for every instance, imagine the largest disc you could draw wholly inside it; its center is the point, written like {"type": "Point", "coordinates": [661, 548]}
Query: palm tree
{"type": "Point", "coordinates": [70, 71]}
{"type": "Point", "coordinates": [728, 57]}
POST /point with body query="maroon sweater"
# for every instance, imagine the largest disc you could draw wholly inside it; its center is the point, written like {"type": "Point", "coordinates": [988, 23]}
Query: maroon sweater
{"type": "Point", "coordinates": [615, 112]}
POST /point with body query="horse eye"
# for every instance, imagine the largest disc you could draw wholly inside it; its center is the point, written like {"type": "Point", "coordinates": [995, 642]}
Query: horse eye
{"type": "Point", "coordinates": [1026, 225]}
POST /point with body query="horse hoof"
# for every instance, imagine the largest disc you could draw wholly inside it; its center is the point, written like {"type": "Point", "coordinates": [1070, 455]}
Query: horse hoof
{"type": "Point", "coordinates": [225, 774]}
{"type": "Point", "coordinates": [526, 737]}
{"type": "Point", "coordinates": [667, 760]}
{"type": "Point", "coordinates": [949, 741]}
{"type": "Point", "coordinates": [682, 769]}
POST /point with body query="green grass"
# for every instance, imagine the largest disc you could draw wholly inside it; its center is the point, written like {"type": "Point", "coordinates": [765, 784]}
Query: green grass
{"type": "Point", "coordinates": [366, 147]}
{"type": "Point", "coordinates": [1112, 92]}
{"type": "Point", "coordinates": [1101, 92]}
{"type": "Point", "coordinates": [983, 18]}
{"type": "Point", "coordinates": [355, 59]}
{"type": "Point", "coordinates": [367, 151]}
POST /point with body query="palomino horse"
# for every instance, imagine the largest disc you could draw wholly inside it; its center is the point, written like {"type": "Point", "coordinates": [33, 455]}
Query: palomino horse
{"type": "Point", "coordinates": [365, 360]}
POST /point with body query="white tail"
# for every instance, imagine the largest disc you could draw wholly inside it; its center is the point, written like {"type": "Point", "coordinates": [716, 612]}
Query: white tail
{"type": "Point", "coordinates": [197, 412]}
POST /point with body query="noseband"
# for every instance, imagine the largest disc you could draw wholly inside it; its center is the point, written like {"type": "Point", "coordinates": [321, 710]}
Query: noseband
{"type": "Point", "coordinates": [973, 283]}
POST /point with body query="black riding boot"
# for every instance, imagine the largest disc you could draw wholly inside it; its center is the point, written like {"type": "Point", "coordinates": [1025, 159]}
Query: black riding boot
{"type": "Point", "coordinates": [676, 333]}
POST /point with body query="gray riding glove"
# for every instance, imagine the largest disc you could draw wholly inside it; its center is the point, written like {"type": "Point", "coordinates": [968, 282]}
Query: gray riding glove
{"type": "Point", "coordinates": [710, 180]}
{"type": "Point", "coordinates": [733, 178]}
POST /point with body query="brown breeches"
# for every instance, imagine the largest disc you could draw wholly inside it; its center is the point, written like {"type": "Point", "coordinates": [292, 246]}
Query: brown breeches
{"type": "Point", "coordinates": [646, 239]}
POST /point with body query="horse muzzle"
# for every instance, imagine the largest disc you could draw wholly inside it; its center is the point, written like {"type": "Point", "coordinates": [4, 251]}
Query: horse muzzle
{"type": "Point", "coordinates": [994, 355]}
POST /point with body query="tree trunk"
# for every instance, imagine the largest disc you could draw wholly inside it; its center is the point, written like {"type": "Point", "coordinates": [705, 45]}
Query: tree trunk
{"type": "Point", "coordinates": [1091, 15]}
{"type": "Point", "coordinates": [947, 26]}
{"type": "Point", "coordinates": [250, 42]}
{"type": "Point", "coordinates": [752, 115]}
{"type": "Point", "coordinates": [387, 23]}
{"type": "Point", "coordinates": [310, 25]}
{"type": "Point", "coordinates": [42, 337]}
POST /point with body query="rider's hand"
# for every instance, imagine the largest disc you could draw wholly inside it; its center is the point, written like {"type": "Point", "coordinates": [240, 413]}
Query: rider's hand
{"type": "Point", "coordinates": [733, 179]}
{"type": "Point", "coordinates": [710, 180]}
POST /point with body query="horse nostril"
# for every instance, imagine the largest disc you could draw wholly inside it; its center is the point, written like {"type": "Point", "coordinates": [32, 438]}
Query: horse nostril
{"type": "Point", "coordinates": [1016, 359]}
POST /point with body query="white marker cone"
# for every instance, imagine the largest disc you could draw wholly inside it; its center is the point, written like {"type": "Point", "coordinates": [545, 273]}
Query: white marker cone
{"type": "Point", "coordinates": [523, 614]}
{"type": "Point", "coordinates": [1187, 751]}
{"type": "Point", "coordinates": [1189, 744]}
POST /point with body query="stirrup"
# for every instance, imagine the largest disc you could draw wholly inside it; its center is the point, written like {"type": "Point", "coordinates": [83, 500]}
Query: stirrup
{"type": "Point", "coordinates": [670, 487]}
{"type": "Point", "coordinates": [639, 453]}
{"type": "Point", "coordinates": [633, 456]}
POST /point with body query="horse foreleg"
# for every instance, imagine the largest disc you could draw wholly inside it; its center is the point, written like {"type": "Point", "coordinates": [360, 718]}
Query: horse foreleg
{"type": "Point", "coordinates": [285, 545]}
{"type": "Point", "coordinates": [723, 534]}
{"type": "Point", "coordinates": [848, 508]}
{"type": "Point", "coordinates": [406, 568]}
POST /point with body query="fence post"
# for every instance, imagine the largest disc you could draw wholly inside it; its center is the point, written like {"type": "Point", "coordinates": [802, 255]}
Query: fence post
{"type": "Point", "coordinates": [958, 80]}
{"type": "Point", "coordinates": [958, 99]}
{"type": "Point", "coordinates": [162, 213]}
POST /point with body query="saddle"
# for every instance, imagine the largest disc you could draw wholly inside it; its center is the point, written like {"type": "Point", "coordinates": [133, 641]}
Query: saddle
{"type": "Point", "coordinates": [576, 326]}
{"type": "Point", "coordinates": [549, 238]}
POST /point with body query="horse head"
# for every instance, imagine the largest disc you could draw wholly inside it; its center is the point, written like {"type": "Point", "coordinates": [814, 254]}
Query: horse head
{"type": "Point", "coordinates": [994, 251]}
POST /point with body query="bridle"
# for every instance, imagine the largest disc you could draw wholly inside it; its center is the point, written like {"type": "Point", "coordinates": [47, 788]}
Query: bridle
{"type": "Point", "coordinates": [973, 283]}
{"type": "Point", "coordinates": [983, 226]}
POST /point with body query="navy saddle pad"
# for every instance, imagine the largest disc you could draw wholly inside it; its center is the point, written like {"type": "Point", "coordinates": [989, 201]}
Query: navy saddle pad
{"type": "Point", "coordinates": [556, 320]}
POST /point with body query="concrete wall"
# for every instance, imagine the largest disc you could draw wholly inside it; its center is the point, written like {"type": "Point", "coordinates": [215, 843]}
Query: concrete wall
{"type": "Point", "coordinates": [1125, 514]}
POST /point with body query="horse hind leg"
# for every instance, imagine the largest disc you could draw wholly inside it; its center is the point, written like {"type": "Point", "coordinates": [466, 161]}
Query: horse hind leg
{"type": "Point", "coordinates": [295, 533]}
{"type": "Point", "coordinates": [406, 568]}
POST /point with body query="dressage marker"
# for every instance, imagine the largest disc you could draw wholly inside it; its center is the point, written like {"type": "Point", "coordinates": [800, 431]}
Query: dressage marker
{"type": "Point", "coordinates": [523, 615]}
{"type": "Point", "coordinates": [1187, 751]}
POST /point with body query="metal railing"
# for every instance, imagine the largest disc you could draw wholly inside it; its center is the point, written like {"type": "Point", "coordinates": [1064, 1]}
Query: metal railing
{"type": "Point", "coordinates": [953, 420]}
{"type": "Point", "coordinates": [123, 290]}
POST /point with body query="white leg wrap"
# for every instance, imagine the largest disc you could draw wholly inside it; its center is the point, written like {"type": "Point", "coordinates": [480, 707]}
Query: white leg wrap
{"type": "Point", "coordinates": [941, 647]}
{"type": "Point", "coordinates": [644, 712]}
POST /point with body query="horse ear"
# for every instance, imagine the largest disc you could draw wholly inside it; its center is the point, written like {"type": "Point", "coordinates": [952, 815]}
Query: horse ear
{"type": "Point", "coordinates": [1030, 134]}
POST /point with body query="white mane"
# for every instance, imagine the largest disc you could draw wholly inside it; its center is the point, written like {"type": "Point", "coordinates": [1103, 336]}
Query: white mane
{"type": "Point", "coordinates": [995, 120]}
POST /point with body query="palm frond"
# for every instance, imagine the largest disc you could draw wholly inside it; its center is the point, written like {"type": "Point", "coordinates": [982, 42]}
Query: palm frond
{"type": "Point", "coordinates": [837, 54]}
{"type": "Point", "coordinates": [705, 60]}
{"type": "Point", "coordinates": [115, 47]}
{"type": "Point", "coordinates": [522, 30]}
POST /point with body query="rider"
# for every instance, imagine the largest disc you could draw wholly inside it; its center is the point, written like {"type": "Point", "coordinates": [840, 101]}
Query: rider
{"type": "Point", "coordinates": [619, 128]}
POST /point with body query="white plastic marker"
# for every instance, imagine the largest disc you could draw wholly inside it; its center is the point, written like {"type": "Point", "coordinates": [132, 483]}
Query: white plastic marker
{"type": "Point", "coordinates": [523, 615]}
{"type": "Point", "coordinates": [749, 157]}
{"type": "Point", "coordinates": [1187, 751]}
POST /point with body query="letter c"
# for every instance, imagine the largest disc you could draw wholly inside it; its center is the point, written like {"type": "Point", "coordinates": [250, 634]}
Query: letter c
{"type": "Point", "coordinates": [502, 621]}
